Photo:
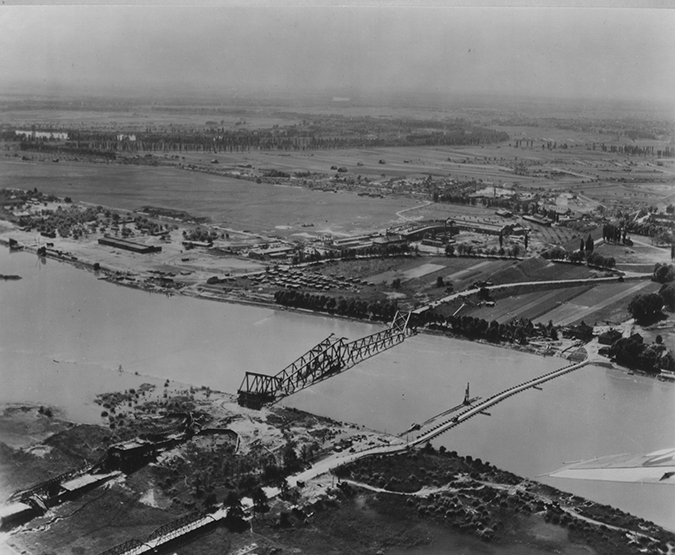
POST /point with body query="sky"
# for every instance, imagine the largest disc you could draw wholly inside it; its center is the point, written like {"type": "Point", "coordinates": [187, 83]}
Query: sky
{"type": "Point", "coordinates": [617, 53]}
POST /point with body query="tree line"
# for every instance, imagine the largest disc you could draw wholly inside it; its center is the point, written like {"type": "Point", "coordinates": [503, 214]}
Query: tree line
{"type": "Point", "coordinates": [578, 257]}
{"type": "Point", "coordinates": [373, 310]}
{"type": "Point", "coordinates": [346, 134]}
{"type": "Point", "coordinates": [333, 254]}
{"type": "Point", "coordinates": [519, 330]}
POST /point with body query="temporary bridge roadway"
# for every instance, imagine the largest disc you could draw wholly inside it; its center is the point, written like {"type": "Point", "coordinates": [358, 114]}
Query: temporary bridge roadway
{"type": "Point", "coordinates": [196, 524]}
{"type": "Point", "coordinates": [330, 357]}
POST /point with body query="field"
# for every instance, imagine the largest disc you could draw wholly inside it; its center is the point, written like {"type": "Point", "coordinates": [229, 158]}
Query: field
{"type": "Point", "coordinates": [530, 305]}
{"type": "Point", "coordinates": [261, 196]}
{"type": "Point", "coordinates": [240, 204]}
{"type": "Point", "coordinates": [602, 303]}
{"type": "Point", "coordinates": [641, 256]}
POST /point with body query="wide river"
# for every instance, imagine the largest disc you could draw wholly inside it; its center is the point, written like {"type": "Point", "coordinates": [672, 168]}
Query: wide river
{"type": "Point", "coordinates": [64, 334]}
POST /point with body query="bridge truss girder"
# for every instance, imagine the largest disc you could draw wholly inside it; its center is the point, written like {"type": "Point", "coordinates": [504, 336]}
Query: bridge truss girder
{"type": "Point", "coordinates": [126, 547]}
{"type": "Point", "coordinates": [257, 389]}
{"type": "Point", "coordinates": [328, 358]}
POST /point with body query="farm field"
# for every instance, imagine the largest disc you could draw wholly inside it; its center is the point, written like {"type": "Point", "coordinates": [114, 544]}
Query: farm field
{"type": "Point", "coordinates": [457, 271]}
{"type": "Point", "coordinates": [606, 302]}
{"type": "Point", "coordinates": [536, 269]}
{"type": "Point", "coordinates": [529, 306]}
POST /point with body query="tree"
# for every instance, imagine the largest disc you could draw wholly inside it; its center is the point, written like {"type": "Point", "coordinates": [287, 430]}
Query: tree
{"type": "Point", "coordinates": [210, 502]}
{"type": "Point", "coordinates": [283, 486]}
{"type": "Point", "coordinates": [626, 351]}
{"type": "Point", "coordinates": [576, 257]}
{"type": "Point", "coordinates": [235, 512]}
{"type": "Point", "coordinates": [440, 282]}
{"type": "Point", "coordinates": [663, 273]}
{"type": "Point", "coordinates": [648, 360]}
{"type": "Point", "coordinates": [667, 294]}
{"type": "Point", "coordinates": [233, 504]}
{"type": "Point", "coordinates": [259, 498]}
{"type": "Point", "coordinates": [646, 309]}
{"type": "Point", "coordinates": [291, 460]}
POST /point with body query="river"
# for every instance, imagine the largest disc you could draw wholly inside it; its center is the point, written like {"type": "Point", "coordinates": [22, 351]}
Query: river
{"type": "Point", "coordinates": [64, 335]}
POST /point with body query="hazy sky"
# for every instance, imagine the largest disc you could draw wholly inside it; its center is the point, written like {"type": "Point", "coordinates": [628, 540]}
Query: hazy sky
{"type": "Point", "coordinates": [569, 52]}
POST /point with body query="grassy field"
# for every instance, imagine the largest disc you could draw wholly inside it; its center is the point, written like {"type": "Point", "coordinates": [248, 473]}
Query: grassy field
{"type": "Point", "coordinates": [638, 256]}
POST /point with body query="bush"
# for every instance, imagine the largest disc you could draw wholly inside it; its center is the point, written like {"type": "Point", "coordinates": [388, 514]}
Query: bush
{"type": "Point", "coordinates": [663, 273]}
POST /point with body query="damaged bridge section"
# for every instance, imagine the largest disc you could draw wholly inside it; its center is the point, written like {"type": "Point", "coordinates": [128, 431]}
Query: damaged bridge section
{"type": "Point", "coordinates": [328, 358]}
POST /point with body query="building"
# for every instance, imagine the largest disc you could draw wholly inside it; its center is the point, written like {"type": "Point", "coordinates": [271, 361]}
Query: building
{"type": "Point", "coordinates": [195, 244]}
{"type": "Point", "coordinates": [128, 245]}
{"type": "Point", "coordinates": [56, 135]}
{"type": "Point", "coordinates": [273, 252]}
{"type": "Point", "coordinates": [609, 337]}
{"type": "Point", "coordinates": [581, 331]}
{"type": "Point", "coordinates": [15, 514]}
{"type": "Point", "coordinates": [538, 220]}
{"type": "Point", "coordinates": [387, 240]}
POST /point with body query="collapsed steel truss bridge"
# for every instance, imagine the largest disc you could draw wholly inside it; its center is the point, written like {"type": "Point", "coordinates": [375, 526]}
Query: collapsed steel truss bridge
{"type": "Point", "coordinates": [330, 357]}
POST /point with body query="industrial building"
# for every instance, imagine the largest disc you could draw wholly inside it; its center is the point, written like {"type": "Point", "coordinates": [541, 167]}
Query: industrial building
{"type": "Point", "coordinates": [128, 245]}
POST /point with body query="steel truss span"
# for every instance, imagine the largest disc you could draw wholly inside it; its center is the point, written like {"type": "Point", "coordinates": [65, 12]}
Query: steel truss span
{"type": "Point", "coordinates": [328, 358]}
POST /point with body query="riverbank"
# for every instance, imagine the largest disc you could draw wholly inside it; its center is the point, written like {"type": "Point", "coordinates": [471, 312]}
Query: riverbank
{"type": "Point", "coordinates": [81, 322]}
{"type": "Point", "coordinates": [376, 505]}
{"type": "Point", "coordinates": [144, 280]}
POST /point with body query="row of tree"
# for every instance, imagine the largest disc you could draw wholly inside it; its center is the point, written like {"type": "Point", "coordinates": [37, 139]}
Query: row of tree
{"type": "Point", "coordinates": [612, 233]}
{"type": "Point", "coordinates": [347, 135]}
{"type": "Point", "coordinates": [588, 246]}
{"type": "Point", "coordinates": [373, 310]}
{"type": "Point", "coordinates": [578, 257]}
{"type": "Point", "coordinates": [652, 229]}
{"type": "Point", "coordinates": [372, 250]}
{"type": "Point", "coordinates": [462, 249]}
{"type": "Point", "coordinates": [517, 331]}
{"type": "Point", "coordinates": [595, 259]}
{"type": "Point", "coordinates": [68, 148]}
